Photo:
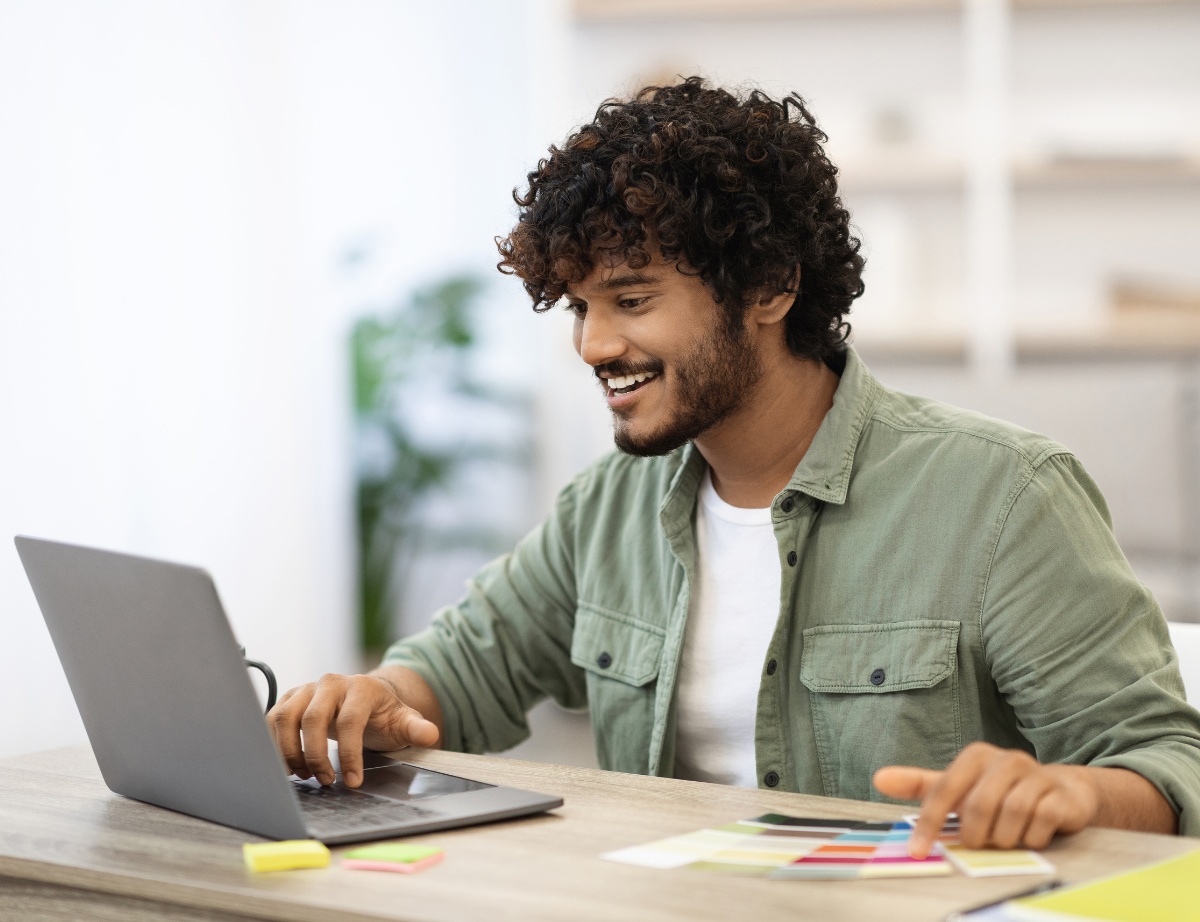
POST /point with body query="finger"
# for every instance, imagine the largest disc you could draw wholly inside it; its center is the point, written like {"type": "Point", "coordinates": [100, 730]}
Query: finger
{"type": "Point", "coordinates": [271, 716]}
{"type": "Point", "coordinates": [417, 729]}
{"type": "Point", "coordinates": [359, 704]}
{"type": "Point", "coordinates": [981, 808]}
{"type": "Point", "coordinates": [945, 794]}
{"type": "Point", "coordinates": [903, 782]}
{"type": "Point", "coordinates": [314, 726]}
{"type": "Point", "coordinates": [284, 722]}
{"type": "Point", "coordinates": [396, 725]}
{"type": "Point", "coordinates": [1018, 810]}
{"type": "Point", "coordinates": [1049, 817]}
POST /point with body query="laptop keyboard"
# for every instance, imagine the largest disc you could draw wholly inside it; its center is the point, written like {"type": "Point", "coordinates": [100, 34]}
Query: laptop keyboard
{"type": "Point", "coordinates": [334, 810]}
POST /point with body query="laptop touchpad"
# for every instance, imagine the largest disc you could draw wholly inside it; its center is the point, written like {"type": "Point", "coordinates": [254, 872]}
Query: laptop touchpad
{"type": "Point", "coordinates": [401, 781]}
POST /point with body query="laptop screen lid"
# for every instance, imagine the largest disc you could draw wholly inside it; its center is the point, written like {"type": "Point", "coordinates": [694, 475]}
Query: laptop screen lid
{"type": "Point", "coordinates": [161, 685]}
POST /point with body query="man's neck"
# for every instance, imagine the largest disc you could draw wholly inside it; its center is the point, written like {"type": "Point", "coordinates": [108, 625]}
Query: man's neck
{"type": "Point", "coordinates": [753, 454]}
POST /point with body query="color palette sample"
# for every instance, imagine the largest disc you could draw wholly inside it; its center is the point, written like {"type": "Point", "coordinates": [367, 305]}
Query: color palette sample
{"type": "Point", "coordinates": [790, 848]}
{"type": "Point", "coordinates": [996, 862]}
{"type": "Point", "coordinates": [870, 850]}
{"type": "Point", "coordinates": [986, 862]}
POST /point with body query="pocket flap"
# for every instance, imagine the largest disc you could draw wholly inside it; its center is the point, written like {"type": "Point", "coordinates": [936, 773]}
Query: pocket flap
{"type": "Point", "coordinates": [878, 658]}
{"type": "Point", "coordinates": [612, 644]}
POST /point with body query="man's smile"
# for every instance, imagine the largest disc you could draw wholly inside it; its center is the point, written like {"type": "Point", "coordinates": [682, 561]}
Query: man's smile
{"type": "Point", "coordinates": [620, 390]}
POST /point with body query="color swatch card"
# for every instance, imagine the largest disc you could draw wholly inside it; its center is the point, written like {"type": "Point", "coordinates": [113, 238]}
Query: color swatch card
{"type": "Point", "coordinates": [986, 862]}
{"type": "Point", "coordinates": [871, 850]}
{"type": "Point", "coordinates": [996, 862]}
{"type": "Point", "coordinates": [790, 848]}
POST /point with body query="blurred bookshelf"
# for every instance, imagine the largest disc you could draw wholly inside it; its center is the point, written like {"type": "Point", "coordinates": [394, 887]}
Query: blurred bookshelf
{"type": "Point", "coordinates": [965, 163]}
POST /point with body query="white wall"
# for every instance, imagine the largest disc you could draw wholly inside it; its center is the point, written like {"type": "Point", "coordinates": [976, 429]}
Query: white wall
{"type": "Point", "coordinates": [178, 182]}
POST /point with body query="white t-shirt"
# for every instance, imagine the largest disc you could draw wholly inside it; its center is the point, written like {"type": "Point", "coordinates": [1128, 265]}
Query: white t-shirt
{"type": "Point", "coordinates": [732, 615]}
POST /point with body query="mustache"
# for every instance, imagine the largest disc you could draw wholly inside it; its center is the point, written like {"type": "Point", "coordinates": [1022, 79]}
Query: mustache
{"type": "Point", "coordinates": [618, 369]}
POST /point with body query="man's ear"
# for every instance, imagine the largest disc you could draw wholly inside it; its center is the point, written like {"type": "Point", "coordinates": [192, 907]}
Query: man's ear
{"type": "Point", "coordinates": [773, 307]}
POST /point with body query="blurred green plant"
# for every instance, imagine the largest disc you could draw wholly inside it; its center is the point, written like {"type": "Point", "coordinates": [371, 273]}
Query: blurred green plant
{"type": "Point", "coordinates": [430, 337]}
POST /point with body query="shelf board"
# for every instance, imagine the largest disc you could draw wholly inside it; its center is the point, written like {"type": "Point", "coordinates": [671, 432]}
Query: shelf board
{"type": "Point", "coordinates": [636, 10]}
{"type": "Point", "coordinates": [1123, 341]}
{"type": "Point", "coordinates": [639, 10]}
{"type": "Point", "coordinates": [1104, 171]}
{"type": "Point", "coordinates": [906, 173]}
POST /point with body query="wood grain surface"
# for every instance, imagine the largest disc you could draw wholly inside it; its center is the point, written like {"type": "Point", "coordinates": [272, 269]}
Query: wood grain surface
{"type": "Point", "coordinates": [67, 843]}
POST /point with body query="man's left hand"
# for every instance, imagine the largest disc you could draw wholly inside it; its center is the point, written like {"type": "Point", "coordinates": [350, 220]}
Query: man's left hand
{"type": "Point", "coordinates": [1004, 798]}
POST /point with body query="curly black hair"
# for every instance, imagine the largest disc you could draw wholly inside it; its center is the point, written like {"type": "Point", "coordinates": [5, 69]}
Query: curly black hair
{"type": "Point", "coordinates": [738, 191]}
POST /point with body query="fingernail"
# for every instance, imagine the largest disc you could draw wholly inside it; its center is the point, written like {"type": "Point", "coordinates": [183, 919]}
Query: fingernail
{"type": "Point", "coordinates": [353, 779]}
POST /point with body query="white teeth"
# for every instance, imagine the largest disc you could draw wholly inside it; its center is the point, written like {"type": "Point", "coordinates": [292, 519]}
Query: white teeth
{"type": "Point", "coordinates": [622, 381]}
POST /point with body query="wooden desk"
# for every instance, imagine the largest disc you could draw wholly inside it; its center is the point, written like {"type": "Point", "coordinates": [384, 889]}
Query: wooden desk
{"type": "Point", "coordinates": [70, 849]}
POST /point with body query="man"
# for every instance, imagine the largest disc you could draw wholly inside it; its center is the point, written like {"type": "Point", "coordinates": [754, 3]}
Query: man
{"type": "Point", "coordinates": [789, 576]}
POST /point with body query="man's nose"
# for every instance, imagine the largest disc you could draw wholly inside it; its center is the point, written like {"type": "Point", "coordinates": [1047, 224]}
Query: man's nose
{"type": "Point", "coordinates": [597, 339]}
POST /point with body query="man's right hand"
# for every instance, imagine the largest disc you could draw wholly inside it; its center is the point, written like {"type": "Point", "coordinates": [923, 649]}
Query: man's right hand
{"type": "Point", "coordinates": [378, 711]}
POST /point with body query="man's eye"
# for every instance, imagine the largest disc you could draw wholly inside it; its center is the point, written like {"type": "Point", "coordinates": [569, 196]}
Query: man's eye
{"type": "Point", "coordinates": [630, 303]}
{"type": "Point", "coordinates": [575, 307]}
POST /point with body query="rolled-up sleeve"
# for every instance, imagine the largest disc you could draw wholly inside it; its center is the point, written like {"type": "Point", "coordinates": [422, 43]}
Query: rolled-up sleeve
{"type": "Point", "coordinates": [1078, 646]}
{"type": "Point", "coordinates": [506, 644]}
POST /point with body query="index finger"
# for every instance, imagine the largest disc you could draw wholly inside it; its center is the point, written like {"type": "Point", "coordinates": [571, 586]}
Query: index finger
{"type": "Point", "coordinates": [905, 782]}
{"type": "Point", "coordinates": [352, 719]}
{"type": "Point", "coordinates": [318, 717]}
{"type": "Point", "coordinates": [942, 800]}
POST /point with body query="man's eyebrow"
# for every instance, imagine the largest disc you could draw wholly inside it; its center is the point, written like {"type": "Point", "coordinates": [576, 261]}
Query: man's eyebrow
{"type": "Point", "coordinates": [625, 280]}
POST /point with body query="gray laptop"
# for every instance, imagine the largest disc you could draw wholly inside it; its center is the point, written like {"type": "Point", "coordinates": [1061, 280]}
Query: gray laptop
{"type": "Point", "coordinates": [174, 719]}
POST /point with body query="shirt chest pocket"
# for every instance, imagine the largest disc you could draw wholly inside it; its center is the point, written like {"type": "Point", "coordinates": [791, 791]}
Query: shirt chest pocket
{"type": "Point", "coordinates": [621, 655]}
{"type": "Point", "coordinates": [882, 694]}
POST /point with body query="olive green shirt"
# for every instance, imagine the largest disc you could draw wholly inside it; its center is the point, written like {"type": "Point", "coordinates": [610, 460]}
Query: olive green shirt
{"type": "Point", "coordinates": [945, 578]}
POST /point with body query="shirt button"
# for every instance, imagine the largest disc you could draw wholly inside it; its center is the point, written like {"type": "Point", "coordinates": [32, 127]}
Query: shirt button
{"type": "Point", "coordinates": [771, 778]}
{"type": "Point", "coordinates": [604, 661]}
{"type": "Point", "coordinates": [877, 677]}
{"type": "Point", "coordinates": [788, 505]}
{"type": "Point", "coordinates": [771, 667]}
{"type": "Point", "coordinates": [792, 558]}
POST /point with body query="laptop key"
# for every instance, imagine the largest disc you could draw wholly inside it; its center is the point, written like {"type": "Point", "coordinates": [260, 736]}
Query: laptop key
{"type": "Point", "coordinates": [335, 809]}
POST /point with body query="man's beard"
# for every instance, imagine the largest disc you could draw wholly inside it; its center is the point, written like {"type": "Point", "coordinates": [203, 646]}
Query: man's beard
{"type": "Point", "coordinates": [710, 384]}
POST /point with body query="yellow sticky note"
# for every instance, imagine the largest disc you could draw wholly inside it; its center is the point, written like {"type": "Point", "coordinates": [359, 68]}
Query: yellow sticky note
{"type": "Point", "coordinates": [285, 856]}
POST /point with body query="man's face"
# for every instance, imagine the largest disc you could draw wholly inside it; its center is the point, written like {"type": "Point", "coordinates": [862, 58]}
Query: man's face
{"type": "Point", "coordinates": [671, 365]}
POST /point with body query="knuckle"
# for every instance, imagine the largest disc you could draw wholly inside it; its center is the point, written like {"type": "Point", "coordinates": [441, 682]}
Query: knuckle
{"type": "Point", "coordinates": [973, 814]}
{"type": "Point", "coordinates": [1021, 803]}
{"type": "Point", "coordinates": [1050, 812]}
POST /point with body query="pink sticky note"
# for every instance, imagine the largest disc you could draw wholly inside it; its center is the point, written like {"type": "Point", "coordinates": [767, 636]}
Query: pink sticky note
{"type": "Point", "coordinates": [397, 867]}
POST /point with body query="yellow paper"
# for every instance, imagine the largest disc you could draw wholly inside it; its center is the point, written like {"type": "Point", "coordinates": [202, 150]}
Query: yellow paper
{"type": "Point", "coordinates": [285, 856]}
{"type": "Point", "coordinates": [1164, 892]}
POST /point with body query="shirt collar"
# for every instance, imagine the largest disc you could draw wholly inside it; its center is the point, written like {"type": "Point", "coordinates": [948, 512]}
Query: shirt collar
{"type": "Point", "coordinates": [823, 473]}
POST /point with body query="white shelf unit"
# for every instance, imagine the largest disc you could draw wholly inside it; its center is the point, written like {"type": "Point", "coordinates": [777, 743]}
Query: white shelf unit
{"type": "Point", "coordinates": [1007, 160]}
